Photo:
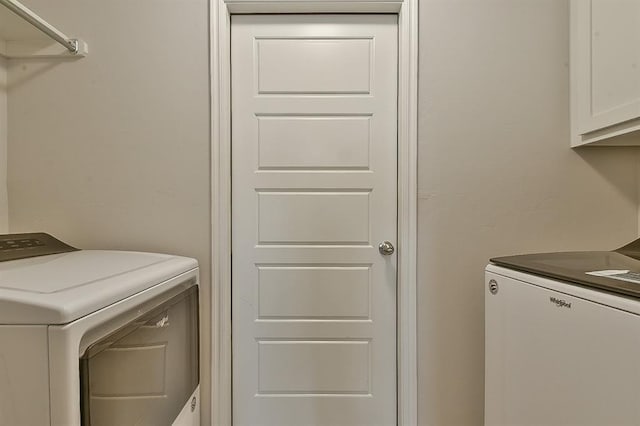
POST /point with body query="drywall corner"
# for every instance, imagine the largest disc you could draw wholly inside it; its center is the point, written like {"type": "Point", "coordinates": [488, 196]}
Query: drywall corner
{"type": "Point", "coordinates": [4, 202]}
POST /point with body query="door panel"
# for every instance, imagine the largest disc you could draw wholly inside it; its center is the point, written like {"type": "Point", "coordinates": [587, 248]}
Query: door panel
{"type": "Point", "coordinates": [317, 217]}
{"type": "Point", "coordinates": [314, 142]}
{"type": "Point", "coordinates": [314, 367]}
{"type": "Point", "coordinates": [314, 160]}
{"type": "Point", "coordinates": [306, 64]}
{"type": "Point", "coordinates": [314, 292]}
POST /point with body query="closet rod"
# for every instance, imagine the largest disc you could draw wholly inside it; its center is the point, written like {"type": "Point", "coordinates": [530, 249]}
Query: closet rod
{"type": "Point", "coordinates": [28, 15]}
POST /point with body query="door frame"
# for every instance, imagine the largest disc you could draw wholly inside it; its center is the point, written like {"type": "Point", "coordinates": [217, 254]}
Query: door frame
{"type": "Point", "coordinates": [220, 92]}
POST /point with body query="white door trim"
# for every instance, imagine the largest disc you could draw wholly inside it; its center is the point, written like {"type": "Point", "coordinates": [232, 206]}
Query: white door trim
{"type": "Point", "coordinates": [220, 56]}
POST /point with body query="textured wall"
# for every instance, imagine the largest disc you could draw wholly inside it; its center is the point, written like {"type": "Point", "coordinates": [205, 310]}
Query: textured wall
{"type": "Point", "coordinates": [112, 151]}
{"type": "Point", "coordinates": [497, 176]}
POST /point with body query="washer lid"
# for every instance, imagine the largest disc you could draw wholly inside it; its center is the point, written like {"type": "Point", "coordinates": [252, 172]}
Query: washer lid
{"type": "Point", "coordinates": [616, 271]}
{"type": "Point", "coordinates": [60, 288]}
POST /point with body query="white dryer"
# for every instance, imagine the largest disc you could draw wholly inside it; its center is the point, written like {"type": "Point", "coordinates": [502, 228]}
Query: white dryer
{"type": "Point", "coordinates": [562, 339]}
{"type": "Point", "coordinates": [98, 338]}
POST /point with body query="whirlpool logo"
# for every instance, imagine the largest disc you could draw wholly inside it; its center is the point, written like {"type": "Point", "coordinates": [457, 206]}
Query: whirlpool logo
{"type": "Point", "coordinates": [560, 303]}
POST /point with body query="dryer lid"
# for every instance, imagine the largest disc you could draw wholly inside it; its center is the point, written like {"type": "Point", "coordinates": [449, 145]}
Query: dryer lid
{"type": "Point", "coordinates": [59, 288]}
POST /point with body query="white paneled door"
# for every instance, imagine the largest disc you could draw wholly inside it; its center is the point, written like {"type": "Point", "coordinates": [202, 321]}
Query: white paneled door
{"type": "Point", "coordinates": [314, 193]}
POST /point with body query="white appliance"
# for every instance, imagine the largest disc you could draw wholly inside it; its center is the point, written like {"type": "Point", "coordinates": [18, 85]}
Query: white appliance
{"type": "Point", "coordinates": [96, 337]}
{"type": "Point", "coordinates": [562, 339]}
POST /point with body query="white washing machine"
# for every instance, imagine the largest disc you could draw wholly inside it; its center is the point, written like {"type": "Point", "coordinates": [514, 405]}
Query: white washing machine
{"type": "Point", "coordinates": [98, 338]}
{"type": "Point", "coordinates": [562, 339]}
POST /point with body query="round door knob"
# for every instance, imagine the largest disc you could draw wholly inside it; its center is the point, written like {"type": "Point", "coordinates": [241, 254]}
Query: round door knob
{"type": "Point", "coordinates": [386, 248]}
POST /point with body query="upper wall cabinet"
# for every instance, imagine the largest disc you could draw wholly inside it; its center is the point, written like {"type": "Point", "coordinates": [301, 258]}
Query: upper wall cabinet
{"type": "Point", "coordinates": [605, 72]}
{"type": "Point", "coordinates": [24, 34]}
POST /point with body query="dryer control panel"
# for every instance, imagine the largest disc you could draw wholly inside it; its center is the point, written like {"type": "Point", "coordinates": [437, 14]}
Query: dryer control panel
{"type": "Point", "coordinates": [22, 246]}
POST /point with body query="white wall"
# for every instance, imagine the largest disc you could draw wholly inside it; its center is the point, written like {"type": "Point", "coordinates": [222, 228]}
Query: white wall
{"type": "Point", "coordinates": [112, 151]}
{"type": "Point", "coordinates": [497, 177]}
{"type": "Point", "coordinates": [4, 208]}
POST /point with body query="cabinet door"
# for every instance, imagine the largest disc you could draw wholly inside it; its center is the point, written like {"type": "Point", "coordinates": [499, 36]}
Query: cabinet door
{"type": "Point", "coordinates": [605, 67]}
